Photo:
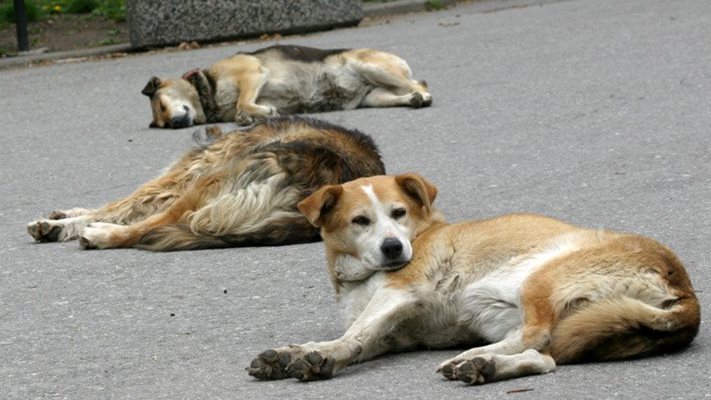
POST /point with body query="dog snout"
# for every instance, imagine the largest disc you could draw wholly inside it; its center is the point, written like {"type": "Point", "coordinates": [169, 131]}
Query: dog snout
{"type": "Point", "coordinates": [391, 248]}
{"type": "Point", "coordinates": [180, 122]}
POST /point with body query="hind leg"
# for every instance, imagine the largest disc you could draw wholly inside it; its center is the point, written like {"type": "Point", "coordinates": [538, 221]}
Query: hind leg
{"type": "Point", "coordinates": [489, 367]}
{"type": "Point", "coordinates": [392, 73]}
{"type": "Point", "coordinates": [57, 230]}
{"type": "Point", "coordinates": [61, 226]}
{"type": "Point", "coordinates": [102, 235]}
{"type": "Point", "coordinates": [380, 97]}
{"type": "Point", "coordinates": [68, 225]}
{"type": "Point", "coordinates": [74, 212]}
{"type": "Point", "coordinates": [250, 87]}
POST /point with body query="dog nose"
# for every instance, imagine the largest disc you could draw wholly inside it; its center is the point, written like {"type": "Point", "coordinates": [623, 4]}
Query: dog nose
{"type": "Point", "coordinates": [391, 248]}
{"type": "Point", "coordinates": [180, 122]}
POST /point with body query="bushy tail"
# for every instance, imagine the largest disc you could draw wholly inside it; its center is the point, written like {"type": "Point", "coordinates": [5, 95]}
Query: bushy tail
{"type": "Point", "coordinates": [624, 327]}
{"type": "Point", "coordinates": [180, 237]}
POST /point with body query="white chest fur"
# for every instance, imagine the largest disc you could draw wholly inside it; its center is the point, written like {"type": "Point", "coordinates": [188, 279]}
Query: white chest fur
{"type": "Point", "coordinates": [355, 297]}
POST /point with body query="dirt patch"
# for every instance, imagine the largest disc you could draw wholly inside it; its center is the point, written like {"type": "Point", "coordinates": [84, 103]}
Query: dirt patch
{"type": "Point", "coordinates": [66, 32]}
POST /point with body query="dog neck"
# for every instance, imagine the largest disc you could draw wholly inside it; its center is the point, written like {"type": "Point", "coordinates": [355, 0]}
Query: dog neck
{"type": "Point", "coordinates": [205, 86]}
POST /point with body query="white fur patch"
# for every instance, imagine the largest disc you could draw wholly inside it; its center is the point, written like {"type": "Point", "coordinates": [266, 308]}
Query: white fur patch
{"type": "Point", "coordinates": [382, 226]}
{"type": "Point", "coordinates": [176, 107]}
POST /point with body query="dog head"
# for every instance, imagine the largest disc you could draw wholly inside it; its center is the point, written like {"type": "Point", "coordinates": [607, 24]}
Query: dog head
{"type": "Point", "coordinates": [371, 222]}
{"type": "Point", "coordinates": [175, 103]}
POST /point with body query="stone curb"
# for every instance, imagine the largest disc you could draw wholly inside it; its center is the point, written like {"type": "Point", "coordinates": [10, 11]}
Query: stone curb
{"type": "Point", "coordinates": [69, 55]}
{"type": "Point", "coordinates": [400, 7]}
{"type": "Point", "coordinates": [370, 10]}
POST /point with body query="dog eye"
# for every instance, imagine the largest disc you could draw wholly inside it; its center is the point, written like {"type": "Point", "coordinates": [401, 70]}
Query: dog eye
{"type": "Point", "coordinates": [361, 220]}
{"type": "Point", "coordinates": [398, 213]}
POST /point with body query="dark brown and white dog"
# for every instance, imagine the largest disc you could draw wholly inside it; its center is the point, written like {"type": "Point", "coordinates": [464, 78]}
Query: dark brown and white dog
{"type": "Point", "coordinates": [528, 291]}
{"type": "Point", "coordinates": [241, 189]}
{"type": "Point", "coordinates": [281, 80]}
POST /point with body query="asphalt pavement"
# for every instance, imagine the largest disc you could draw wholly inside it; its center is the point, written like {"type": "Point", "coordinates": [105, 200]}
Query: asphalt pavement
{"type": "Point", "coordinates": [595, 111]}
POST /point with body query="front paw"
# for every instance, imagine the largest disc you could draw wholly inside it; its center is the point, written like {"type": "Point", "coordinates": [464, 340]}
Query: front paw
{"type": "Point", "coordinates": [291, 362]}
{"type": "Point", "coordinates": [270, 365]}
{"type": "Point", "coordinates": [44, 231]}
{"type": "Point", "coordinates": [419, 100]}
{"type": "Point", "coordinates": [311, 367]}
{"type": "Point", "coordinates": [243, 118]}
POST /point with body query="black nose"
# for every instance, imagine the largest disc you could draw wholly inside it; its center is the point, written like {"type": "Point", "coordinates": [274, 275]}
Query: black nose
{"type": "Point", "coordinates": [179, 122]}
{"type": "Point", "coordinates": [391, 248]}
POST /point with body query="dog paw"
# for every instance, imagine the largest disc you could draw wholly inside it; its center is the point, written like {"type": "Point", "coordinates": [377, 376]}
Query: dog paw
{"type": "Point", "coordinates": [242, 118]}
{"type": "Point", "coordinates": [426, 100]}
{"type": "Point", "coordinates": [312, 366]}
{"type": "Point", "coordinates": [44, 231]}
{"type": "Point", "coordinates": [419, 100]}
{"type": "Point", "coordinates": [58, 214]}
{"type": "Point", "coordinates": [476, 371]}
{"type": "Point", "coordinates": [416, 100]}
{"type": "Point", "coordinates": [270, 365]}
{"type": "Point", "coordinates": [64, 214]}
{"type": "Point", "coordinates": [447, 369]}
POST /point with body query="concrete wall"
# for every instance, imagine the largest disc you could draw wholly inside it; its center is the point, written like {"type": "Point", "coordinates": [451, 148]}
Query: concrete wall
{"type": "Point", "coordinates": [160, 23]}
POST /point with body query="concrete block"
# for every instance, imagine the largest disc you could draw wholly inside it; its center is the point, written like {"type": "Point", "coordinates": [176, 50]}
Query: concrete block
{"type": "Point", "coordinates": [160, 23]}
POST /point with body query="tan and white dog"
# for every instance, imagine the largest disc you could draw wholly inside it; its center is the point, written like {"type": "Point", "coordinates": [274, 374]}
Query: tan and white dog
{"type": "Point", "coordinates": [528, 291]}
{"type": "Point", "coordinates": [281, 80]}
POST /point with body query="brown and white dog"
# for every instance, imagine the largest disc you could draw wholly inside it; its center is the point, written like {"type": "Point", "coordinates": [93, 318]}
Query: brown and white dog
{"type": "Point", "coordinates": [236, 190]}
{"type": "Point", "coordinates": [280, 80]}
{"type": "Point", "coordinates": [528, 291]}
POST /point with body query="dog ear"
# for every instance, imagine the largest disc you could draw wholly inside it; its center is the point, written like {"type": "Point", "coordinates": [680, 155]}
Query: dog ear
{"type": "Point", "coordinates": [317, 206]}
{"type": "Point", "coordinates": [191, 74]}
{"type": "Point", "coordinates": [419, 188]}
{"type": "Point", "coordinates": [151, 86]}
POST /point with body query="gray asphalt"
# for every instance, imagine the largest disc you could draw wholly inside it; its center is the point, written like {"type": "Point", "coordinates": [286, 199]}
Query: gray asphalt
{"type": "Point", "coordinates": [596, 111]}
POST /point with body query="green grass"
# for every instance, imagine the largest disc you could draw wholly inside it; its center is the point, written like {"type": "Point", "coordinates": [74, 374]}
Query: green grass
{"type": "Point", "coordinates": [7, 12]}
{"type": "Point", "coordinates": [37, 9]}
{"type": "Point", "coordinates": [434, 5]}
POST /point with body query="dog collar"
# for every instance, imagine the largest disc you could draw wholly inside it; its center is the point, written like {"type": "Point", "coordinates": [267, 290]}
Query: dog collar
{"type": "Point", "coordinates": [204, 84]}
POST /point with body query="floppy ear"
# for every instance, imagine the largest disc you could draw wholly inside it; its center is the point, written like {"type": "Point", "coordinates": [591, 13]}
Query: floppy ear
{"type": "Point", "coordinates": [317, 206]}
{"type": "Point", "coordinates": [151, 86]}
{"type": "Point", "coordinates": [418, 188]}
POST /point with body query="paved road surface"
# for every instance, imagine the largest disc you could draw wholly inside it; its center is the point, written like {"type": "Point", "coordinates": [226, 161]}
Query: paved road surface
{"type": "Point", "coordinates": [594, 111]}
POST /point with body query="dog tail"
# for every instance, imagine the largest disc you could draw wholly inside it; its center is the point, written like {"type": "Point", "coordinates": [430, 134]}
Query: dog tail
{"type": "Point", "coordinates": [177, 237]}
{"type": "Point", "coordinates": [624, 327]}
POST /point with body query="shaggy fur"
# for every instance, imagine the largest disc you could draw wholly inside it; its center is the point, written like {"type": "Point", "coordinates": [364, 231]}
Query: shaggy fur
{"type": "Point", "coordinates": [232, 190]}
